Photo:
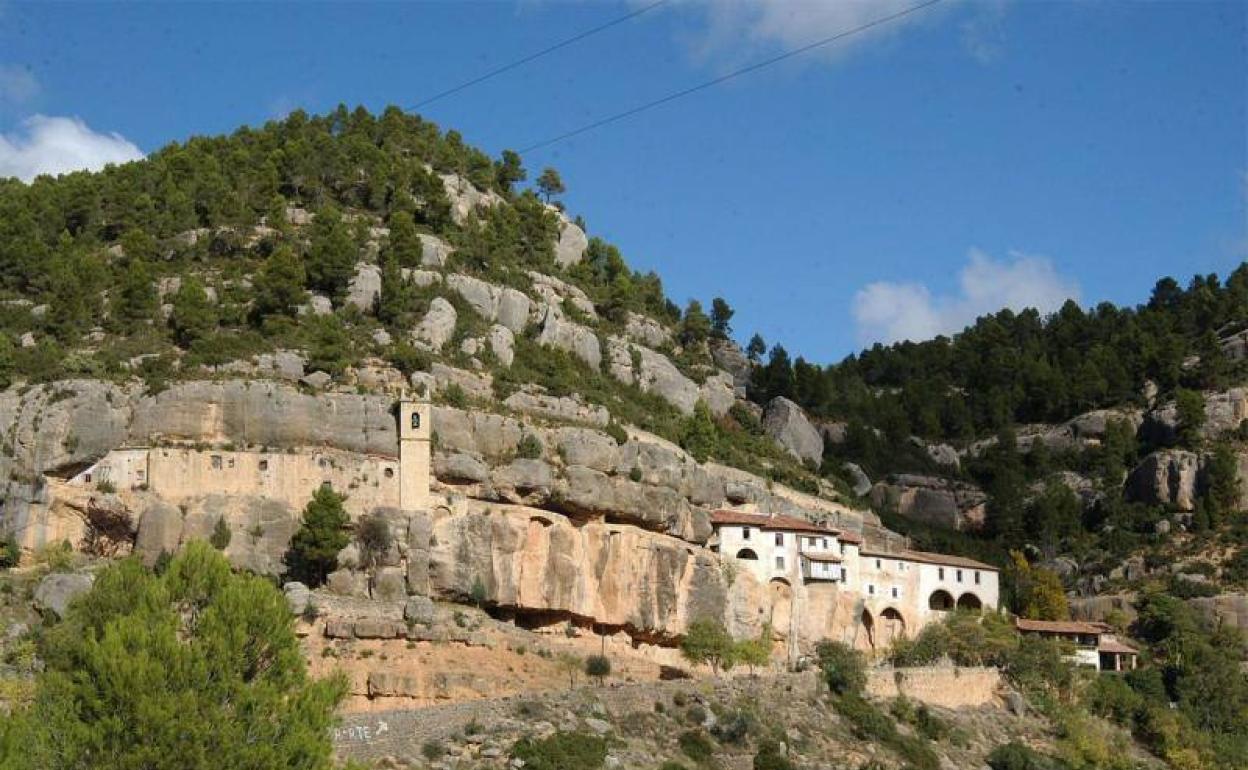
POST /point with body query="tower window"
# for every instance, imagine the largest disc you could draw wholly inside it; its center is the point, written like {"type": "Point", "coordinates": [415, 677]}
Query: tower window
{"type": "Point", "coordinates": [389, 473]}
{"type": "Point", "coordinates": [264, 465]}
{"type": "Point", "coordinates": [415, 420]}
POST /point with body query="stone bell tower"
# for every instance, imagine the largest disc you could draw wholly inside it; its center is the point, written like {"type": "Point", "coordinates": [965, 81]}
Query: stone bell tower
{"type": "Point", "coordinates": [414, 453]}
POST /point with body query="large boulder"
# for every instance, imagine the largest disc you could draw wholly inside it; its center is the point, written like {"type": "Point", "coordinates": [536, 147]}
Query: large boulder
{"type": "Point", "coordinates": [1230, 610]}
{"type": "Point", "coordinates": [1168, 477]}
{"type": "Point", "coordinates": [644, 330]}
{"type": "Point", "coordinates": [464, 198]}
{"type": "Point", "coordinates": [571, 246]}
{"type": "Point", "coordinates": [160, 531]}
{"type": "Point", "coordinates": [434, 251]}
{"type": "Point", "coordinates": [558, 332]}
{"type": "Point", "coordinates": [438, 325]}
{"type": "Point", "coordinates": [931, 499]}
{"type": "Point", "coordinates": [55, 592]}
{"type": "Point", "coordinates": [658, 375]}
{"type": "Point", "coordinates": [787, 425]}
{"type": "Point", "coordinates": [729, 357]}
{"type": "Point", "coordinates": [365, 288]}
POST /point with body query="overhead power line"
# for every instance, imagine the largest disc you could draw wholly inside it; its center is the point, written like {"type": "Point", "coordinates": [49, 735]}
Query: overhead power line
{"type": "Point", "coordinates": [539, 54]}
{"type": "Point", "coordinates": [734, 74]}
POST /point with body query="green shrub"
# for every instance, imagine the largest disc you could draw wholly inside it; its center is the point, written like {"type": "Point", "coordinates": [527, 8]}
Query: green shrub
{"type": "Point", "coordinates": [561, 751]}
{"type": "Point", "coordinates": [696, 745]}
{"type": "Point", "coordinates": [432, 750]}
{"type": "Point", "coordinates": [529, 448]}
{"type": "Point", "coordinates": [770, 757]}
{"type": "Point", "coordinates": [598, 666]}
{"type": "Point", "coordinates": [10, 552]}
{"type": "Point", "coordinates": [869, 723]}
{"type": "Point", "coordinates": [844, 669]}
{"type": "Point", "coordinates": [454, 395]}
{"type": "Point", "coordinates": [372, 532]}
{"type": "Point", "coordinates": [1019, 756]}
{"type": "Point", "coordinates": [220, 537]}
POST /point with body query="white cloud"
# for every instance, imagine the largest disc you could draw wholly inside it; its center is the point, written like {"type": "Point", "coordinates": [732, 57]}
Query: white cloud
{"type": "Point", "coordinates": [891, 312]}
{"type": "Point", "coordinates": [733, 27]}
{"type": "Point", "coordinates": [57, 145]}
{"type": "Point", "coordinates": [17, 84]}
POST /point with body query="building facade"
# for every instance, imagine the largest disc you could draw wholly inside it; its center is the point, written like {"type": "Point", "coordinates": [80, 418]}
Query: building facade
{"type": "Point", "coordinates": [898, 591]}
{"type": "Point", "coordinates": [1094, 645]}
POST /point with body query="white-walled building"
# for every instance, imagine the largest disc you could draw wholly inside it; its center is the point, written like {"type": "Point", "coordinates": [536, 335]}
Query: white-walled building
{"type": "Point", "coordinates": [899, 590]}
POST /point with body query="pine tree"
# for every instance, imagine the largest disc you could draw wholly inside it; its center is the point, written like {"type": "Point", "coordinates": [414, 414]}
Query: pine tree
{"type": "Point", "coordinates": [509, 170]}
{"type": "Point", "coordinates": [721, 317]}
{"type": "Point", "coordinates": [331, 254]}
{"type": "Point", "coordinates": [550, 184]}
{"type": "Point", "coordinates": [695, 327]}
{"type": "Point", "coordinates": [700, 435]}
{"type": "Point", "coordinates": [404, 244]}
{"type": "Point", "coordinates": [197, 668]}
{"type": "Point", "coordinates": [279, 284]}
{"type": "Point", "coordinates": [314, 549]}
{"type": "Point", "coordinates": [756, 348]}
{"type": "Point", "coordinates": [194, 316]}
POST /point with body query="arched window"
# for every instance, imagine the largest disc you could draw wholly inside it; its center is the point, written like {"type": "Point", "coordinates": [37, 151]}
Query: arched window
{"type": "Point", "coordinates": [940, 600]}
{"type": "Point", "coordinates": [969, 601]}
{"type": "Point", "coordinates": [415, 420]}
{"type": "Point", "coordinates": [746, 553]}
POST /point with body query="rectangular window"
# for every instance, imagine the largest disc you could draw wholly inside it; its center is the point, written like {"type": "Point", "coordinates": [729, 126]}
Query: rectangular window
{"type": "Point", "coordinates": [745, 533]}
{"type": "Point", "coordinates": [877, 563]}
{"type": "Point", "coordinates": [779, 562]}
{"type": "Point", "coordinates": [842, 549]}
{"type": "Point", "coordinates": [976, 577]}
{"type": "Point", "coordinates": [894, 592]}
{"type": "Point", "coordinates": [940, 573]}
{"type": "Point", "coordinates": [825, 543]}
{"type": "Point", "coordinates": [216, 462]}
{"type": "Point", "coordinates": [844, 575]}
{"type": "Point", "coordinates": [779, 538]}
{"type": "Point", "coordinates": [871, 590]}
{"type": "Point", "coordinates": [959, 573]}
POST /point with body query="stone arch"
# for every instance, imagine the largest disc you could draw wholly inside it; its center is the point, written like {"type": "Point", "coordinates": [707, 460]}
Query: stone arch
{"type": "Point", "coordinates": [969, 601]}
{"type": "Point", "coordinates": [781, 594]}
{"type": "Point", "coordinates": [868, 627]}
{"type": "Point", "coordinates": [747, 553]}
{"type": "Point", "coordinates": [940, 600]}
{"type": "Point", "coordinates": [893, 624]}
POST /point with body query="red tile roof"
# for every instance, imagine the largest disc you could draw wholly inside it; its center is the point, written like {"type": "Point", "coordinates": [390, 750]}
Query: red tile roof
{"type": "Point", "coordinates": [770, 521]}
{"type": "Point", "coordinates": [1060, 626]}
{"type": "Point", "coordinates": [850, 537]}
{"type": "Point", "coordinates": [926, 557]}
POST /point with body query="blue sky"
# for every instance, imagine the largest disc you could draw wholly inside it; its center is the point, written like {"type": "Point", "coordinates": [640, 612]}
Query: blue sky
{"type": "Point", "coordinates": [971, 156]}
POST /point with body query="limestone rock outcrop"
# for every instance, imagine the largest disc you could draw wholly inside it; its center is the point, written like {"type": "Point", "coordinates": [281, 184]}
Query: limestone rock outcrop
{"type": "Point", "coordinates": [502, 304]}
{"type": "Point", "coordinates": [571, 246]}
{"type": "Point", "coordinates": [787, 425]}
{"type": "Point", "coordinates": [365, 288]}
{"type": "Point", "coordinates": [1168, 477]}
{"type": "Point", "coordinates": [438, 325]}
{"type": "Point", "coordinates": [932, 499]}
{"type": "Point", "coordinates": [559, 332]}
{"type": "Point", "coordinates": [57, 591]}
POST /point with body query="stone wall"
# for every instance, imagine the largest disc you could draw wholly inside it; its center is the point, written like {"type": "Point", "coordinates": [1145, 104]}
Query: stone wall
{"type": "Point", "coordinates": [946, 686]}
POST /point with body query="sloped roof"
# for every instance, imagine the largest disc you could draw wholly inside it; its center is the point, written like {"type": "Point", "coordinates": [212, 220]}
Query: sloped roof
{"type": "Point", "coordinates": [1061, 626]}
{"type": "Point", "coordinates": [824, 557]}
{"type": "Point", "coordinates": [926, 557]}
{"type": "Point", "coordinates": [775, 521]}
{"type": "Point", "coordinates": [1113, 645]}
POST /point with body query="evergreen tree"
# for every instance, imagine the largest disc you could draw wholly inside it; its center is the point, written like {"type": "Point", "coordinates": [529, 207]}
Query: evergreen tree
{"type": "Point", "coordinates": [194, 316]}
{"type": "Point", "coordinates": [314, 549]}
{"type": "Point", "coordinates": [404, 244]}
{"type": "Point", "coordinates": [1190, 406]}
{"type": "Point", "coordinates": [6, 361]}
{"type": "Point", "coordinates": [136, 299]}
{"type": "Point", "coordinates": [509, 170]}
{"type": "Point", "coordinates": [279, 284]}
{"type": "Point", "coordinates": [331, 254]}
{"type": "Point", "coordinates": [700, 435]}
{"type": "Point", "coordinates": [193, 669]}
{"type": "Point", "coordinates": [550, 184]}
{"type": "Point", "coordinates": [1222, 484]}
{"type": "Point", "coordinates": [396, 305]}
{"type": "Point", "coordinates": [695, 327]}
{"type": "Point", "coordinates": [756, 348]}
{"type": "Point", "coordinates": [721, 317]}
